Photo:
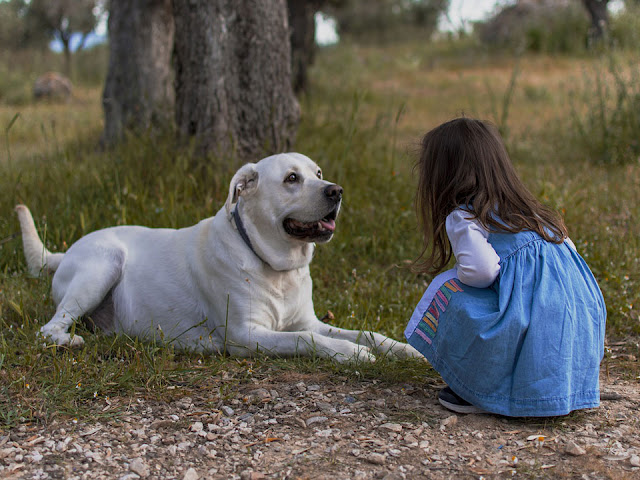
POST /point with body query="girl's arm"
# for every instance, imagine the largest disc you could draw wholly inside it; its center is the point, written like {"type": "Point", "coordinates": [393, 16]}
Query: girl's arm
{"type": "Point", "coordinates": [477, 263]}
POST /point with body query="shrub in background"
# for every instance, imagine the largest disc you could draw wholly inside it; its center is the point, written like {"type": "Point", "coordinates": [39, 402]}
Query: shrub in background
{"type": "Point", "coordinates": [387, 21]}
{"type": "Point", "coordinates": [546, 26]}
{"type": "Point", "coordinates": [624, 28]}
{"type": "Point", "coordinates": [606, 114]}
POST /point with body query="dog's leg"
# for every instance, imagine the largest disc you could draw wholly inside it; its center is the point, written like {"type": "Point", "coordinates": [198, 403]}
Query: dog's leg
{"type": "Point", "coordinates": [198, 339]}
{"type": "Point", "coordinates": [377, 342]}
{"type": "Point", "coordinates": [83, 283]}
{"type": "Point", "coordinates": [258, 339]}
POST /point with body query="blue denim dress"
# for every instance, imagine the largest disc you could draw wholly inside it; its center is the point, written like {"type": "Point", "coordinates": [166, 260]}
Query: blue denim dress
{"type": "Point", "coordinates": [528, 345]}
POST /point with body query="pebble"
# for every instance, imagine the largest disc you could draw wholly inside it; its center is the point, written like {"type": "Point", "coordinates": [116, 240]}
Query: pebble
{"type": "Point", "coordinates": [249, 475]}
{"type": "Point", "coordinates": [574, 449]}
{"type": "Point", "coordinates": [191, 474]}
{"type": "Point", "coordinates": [129, 476]}
{"type": "Point", "coordinates": [392, 427]}
{"type": "Point", "coordinates": [301, 435]}
{"type": "Point", "coordinates": [376, 458]}
{"type": "Point", "coordinates": [196, 427]}
{"type": "Point", "coordinates": [261, 393]}
{"type": "Point", "coordinates": [312, 420]}
{"type": "Point", "coordinates": [138, 467]}
{"type": "Point", "coordinates": [449, 422]}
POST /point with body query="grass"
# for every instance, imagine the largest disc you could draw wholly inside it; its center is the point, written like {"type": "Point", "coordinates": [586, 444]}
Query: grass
{"type": "Point", "coordinates": [364, 116]}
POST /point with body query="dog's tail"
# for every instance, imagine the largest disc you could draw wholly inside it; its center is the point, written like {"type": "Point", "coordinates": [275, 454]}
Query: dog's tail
{"type": "Point", "coordinates": [37, 256]}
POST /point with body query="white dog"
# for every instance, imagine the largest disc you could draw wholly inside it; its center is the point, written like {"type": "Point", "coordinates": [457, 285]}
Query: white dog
{"type": "Point", "coordinates": [237, 282]}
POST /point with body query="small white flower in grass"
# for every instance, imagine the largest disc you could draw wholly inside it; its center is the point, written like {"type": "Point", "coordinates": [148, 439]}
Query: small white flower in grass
{"type": "Point", "coordinates": [95, 394]}
{"type": "Point", "coordinates": [78, 385]}
{"type": "Point", "coordinates": [74, 421]}
{"type": "Point", "coordinates": [27, 386]}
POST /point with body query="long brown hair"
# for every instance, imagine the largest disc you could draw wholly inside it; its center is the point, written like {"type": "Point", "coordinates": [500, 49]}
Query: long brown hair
{"type": "Point", "coordinates": [464, 163]}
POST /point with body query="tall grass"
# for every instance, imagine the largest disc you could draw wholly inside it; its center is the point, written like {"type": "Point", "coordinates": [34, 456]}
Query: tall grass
{"type": "Point", "coordinates": [366, 111]}
{"type": "Point", "coordinates": [606, 112]}
{"type": "Point", "coordinates": [74, 189]}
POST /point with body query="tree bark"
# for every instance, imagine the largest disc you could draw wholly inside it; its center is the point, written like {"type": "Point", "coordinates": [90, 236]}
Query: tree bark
{"type": "Point", "coordinates": [138, 92]}
{"type": "Point", "coordinates": [66, 48]}
{"type": "Point", "coordinates": [302, 25]}
{"type": "Point", "coordinates": [233, 76]}
{"type": "Point", "coordinates": [599, 18]}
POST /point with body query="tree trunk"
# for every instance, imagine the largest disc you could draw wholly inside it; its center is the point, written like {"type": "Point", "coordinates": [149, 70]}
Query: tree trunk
{"type": "Point", "coordinates": [138, 92]}
{"type": "Point", "coordinates": [233, 76]}
{"type": "Point", "coordinates": [66, 48]}
{"type": "Point", "coordinates": [302, 24]}
{"type": "Point", "coordinates": [599, 18]}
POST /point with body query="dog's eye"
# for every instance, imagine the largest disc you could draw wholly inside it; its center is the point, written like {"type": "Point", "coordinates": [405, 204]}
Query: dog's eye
{"type": "Point", "coordinates": [319, 174]}
{"type": "Point", "coordinates": [292, 178]}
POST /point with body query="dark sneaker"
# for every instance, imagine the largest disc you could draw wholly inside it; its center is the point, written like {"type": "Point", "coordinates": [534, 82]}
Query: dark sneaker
{"type": "Point", "coordinates": [451, 401]}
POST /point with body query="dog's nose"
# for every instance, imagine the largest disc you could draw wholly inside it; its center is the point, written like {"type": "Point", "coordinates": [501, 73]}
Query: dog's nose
{"type": "Point", "coordinates": [334, 192]}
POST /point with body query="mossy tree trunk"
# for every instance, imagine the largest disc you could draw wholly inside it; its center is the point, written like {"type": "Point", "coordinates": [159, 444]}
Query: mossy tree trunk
{"type": "Point", "coordinates": [138, 92]}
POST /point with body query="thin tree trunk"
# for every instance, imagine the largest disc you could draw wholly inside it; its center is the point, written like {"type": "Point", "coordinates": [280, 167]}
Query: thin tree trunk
{"type": "Point", "coordinates": [138, 92]}
{"type": "Point", "coordinates": [599, 18]}
{"type": "Point", "coordinates": [67, 58]}
{"type": "Point", "coordinates": [233, 76]}
{"type": "Point", "coordinates": [302, 24]}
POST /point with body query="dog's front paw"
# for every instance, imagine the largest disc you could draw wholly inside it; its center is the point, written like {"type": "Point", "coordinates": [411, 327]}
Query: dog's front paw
{"type": "Point", "coordinates": [402, 350]}
{"type": "Point", "coordinates": [61, 338]}
{"type": "Point", "coordinates": [358, 353]}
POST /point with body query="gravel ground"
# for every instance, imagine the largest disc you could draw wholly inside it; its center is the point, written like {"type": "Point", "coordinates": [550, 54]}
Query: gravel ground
{"type": "Point", "coordinates": [318, 426]}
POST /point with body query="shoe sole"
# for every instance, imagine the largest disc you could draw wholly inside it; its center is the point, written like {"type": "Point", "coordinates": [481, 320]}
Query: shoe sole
{"type": "Point", "coordinates": [460, 408]}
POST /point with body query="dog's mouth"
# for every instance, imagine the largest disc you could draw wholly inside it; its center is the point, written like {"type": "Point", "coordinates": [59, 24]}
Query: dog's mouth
{"type": "Point", "coordinates": [316, 231]}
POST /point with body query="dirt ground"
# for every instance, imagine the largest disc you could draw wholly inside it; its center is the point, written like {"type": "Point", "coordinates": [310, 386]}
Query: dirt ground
{"type": "Point", "coordinates": [320, 426]}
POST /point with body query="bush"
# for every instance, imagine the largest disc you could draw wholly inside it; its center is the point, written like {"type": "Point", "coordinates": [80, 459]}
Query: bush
{"type": "Point", "coordinates": [387, 21]}
{"type": "Point", "coordinates": [15, 86]}
{"type": "Point", "coordinates": [550, 27]}
{"type": "Point", "coordinates": [625, 28]}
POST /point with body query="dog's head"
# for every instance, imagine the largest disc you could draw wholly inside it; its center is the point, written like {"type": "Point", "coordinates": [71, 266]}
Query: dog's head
{"type": "Point", "coordinates": [285, 203]}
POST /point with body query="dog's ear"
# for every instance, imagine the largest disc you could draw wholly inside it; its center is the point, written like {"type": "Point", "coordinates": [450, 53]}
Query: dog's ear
{"type": "Point", "coordinates": [243, 183]}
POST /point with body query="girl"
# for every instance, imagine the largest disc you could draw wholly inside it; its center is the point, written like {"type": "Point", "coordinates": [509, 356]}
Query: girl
{"type": "Point", "coordinates": [517, 326]}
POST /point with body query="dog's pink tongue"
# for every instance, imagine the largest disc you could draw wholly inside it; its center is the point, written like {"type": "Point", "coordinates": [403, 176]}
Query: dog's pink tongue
{"type": "Point", "coordinates": [328, 225]}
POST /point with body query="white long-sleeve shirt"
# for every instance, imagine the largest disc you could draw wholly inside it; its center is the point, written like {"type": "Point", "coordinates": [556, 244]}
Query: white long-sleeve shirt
{"type": "Point", "coordinates": [477, 263]}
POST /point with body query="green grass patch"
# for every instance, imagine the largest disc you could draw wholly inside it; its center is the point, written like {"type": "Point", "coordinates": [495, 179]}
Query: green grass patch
{"type": "Point", "coordinates": [361, 121]}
